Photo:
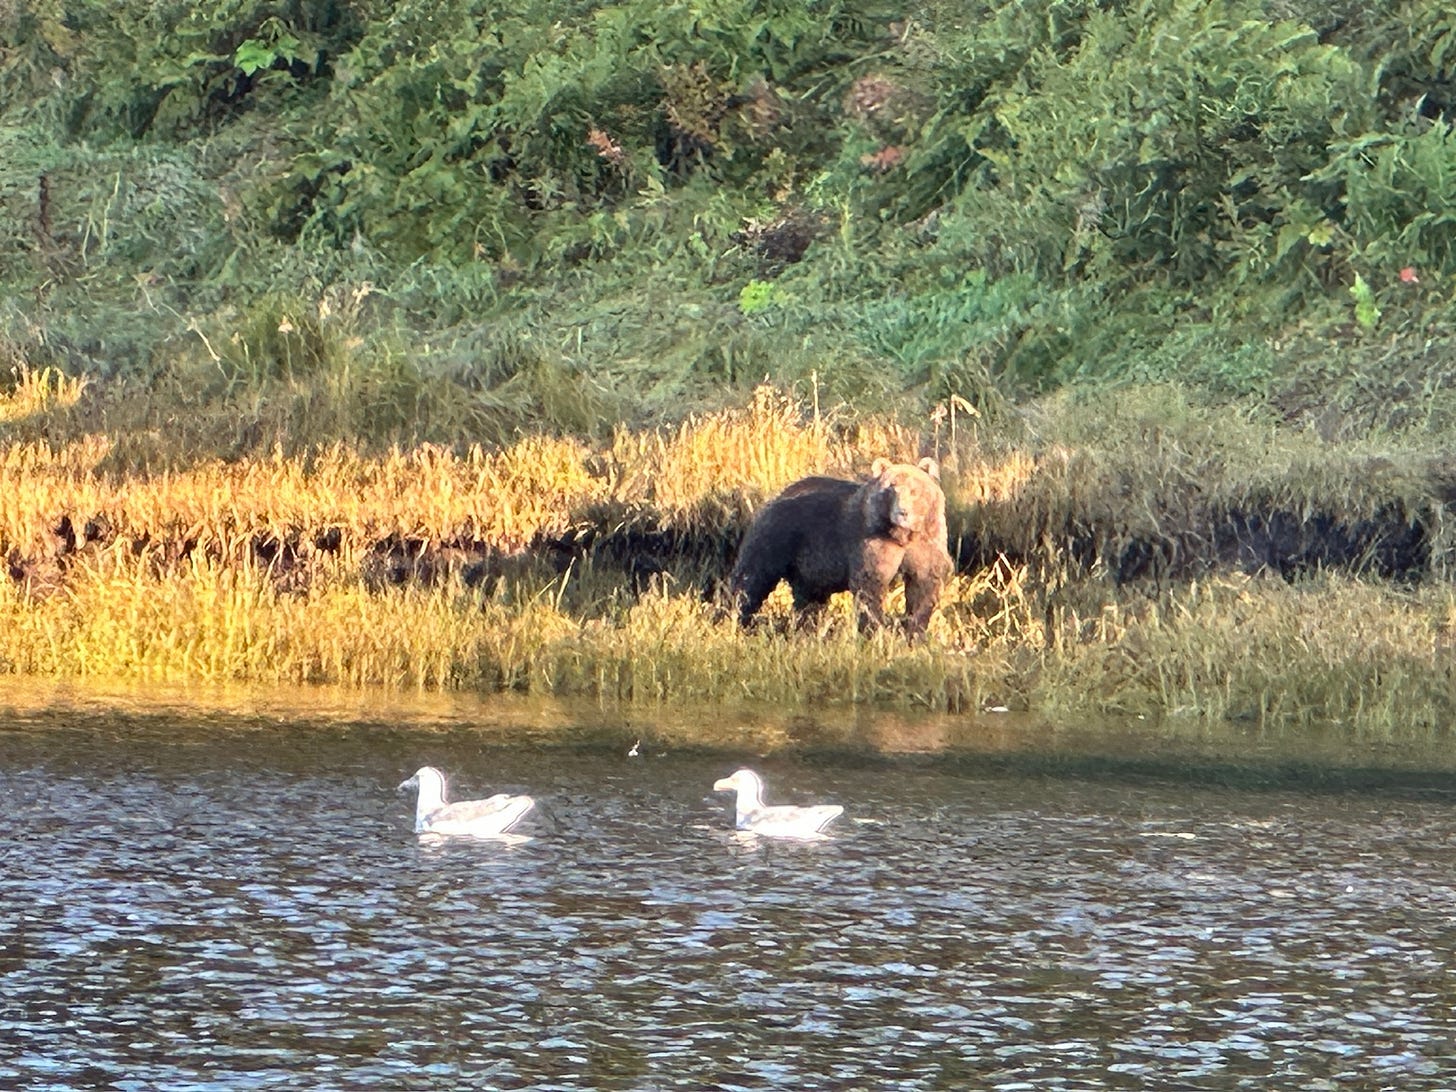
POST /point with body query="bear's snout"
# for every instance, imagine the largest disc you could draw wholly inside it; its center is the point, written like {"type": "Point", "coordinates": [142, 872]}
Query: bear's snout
{"type": "Point", "coordinates": [901, 514]}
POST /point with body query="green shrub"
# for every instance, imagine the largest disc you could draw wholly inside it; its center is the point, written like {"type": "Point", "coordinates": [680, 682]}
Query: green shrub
{"type": "Point", "coordinates": [953, 199]}
{"type": "Point", "coordinates": [170, 69]}
{"type": "Point", "coordinates": [464, 129]}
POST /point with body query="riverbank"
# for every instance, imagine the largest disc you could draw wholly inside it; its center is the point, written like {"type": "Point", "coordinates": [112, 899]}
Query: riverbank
{"type": "Point", "coordinates": [1409, 761]}
{"type": "Point", "coordinates": [1148, 555]}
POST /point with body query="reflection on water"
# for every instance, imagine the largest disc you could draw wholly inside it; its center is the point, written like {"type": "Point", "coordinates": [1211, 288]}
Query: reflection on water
{"type": "Point", "coordinates": [185, 906]}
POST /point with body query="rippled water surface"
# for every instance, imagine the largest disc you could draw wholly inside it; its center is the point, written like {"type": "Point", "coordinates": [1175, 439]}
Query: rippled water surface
{"type": "Point", "coordinates": [185, 906]}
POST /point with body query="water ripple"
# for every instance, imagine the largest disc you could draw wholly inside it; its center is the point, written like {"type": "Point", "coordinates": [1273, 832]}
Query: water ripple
{"type": "Point", "coordinates": [232, 915]}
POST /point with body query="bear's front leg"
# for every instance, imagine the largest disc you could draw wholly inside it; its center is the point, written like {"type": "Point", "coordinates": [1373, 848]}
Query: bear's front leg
{"type": "Point", "coordinates": [921, 596]}
{"type": "Point", "coordinates": [926, 570]}
{"type": "Point", "coordinates": [878, 562]}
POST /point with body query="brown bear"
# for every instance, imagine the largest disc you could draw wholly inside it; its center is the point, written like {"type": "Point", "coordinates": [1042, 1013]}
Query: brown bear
{"type": "Point", "coordinates": [826, 535]}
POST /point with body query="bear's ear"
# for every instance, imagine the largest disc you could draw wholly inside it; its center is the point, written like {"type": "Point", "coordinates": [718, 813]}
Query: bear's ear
{"type": "Point", "coordinates": [878, 467]}
{"type": "Point", "coordinates": [931, 467]}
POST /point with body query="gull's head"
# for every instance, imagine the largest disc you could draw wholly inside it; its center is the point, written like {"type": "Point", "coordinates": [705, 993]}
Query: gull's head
{"type": "Point", "coordinates": [743, 781]}
{"type": "Point", "coordinates": [424, 779]}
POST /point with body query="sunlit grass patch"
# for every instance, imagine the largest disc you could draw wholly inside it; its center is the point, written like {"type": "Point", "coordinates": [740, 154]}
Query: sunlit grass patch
{"type": "Point", "coordinates": [513, 568]}
{"type": "Point", "coordinates": [1363, 654]}
{"type": "Point", "coordinates": [700, 477]}
{"type": "Point", "coordinates": [700, 471]}
{"type": "Point", "coordinates": [36, 391]}
{"type": "Point", "coordinates": [214, 623]}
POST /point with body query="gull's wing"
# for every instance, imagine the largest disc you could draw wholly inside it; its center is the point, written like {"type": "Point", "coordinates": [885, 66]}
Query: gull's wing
{"type": "Point", "coordinates": [494, 815]}
{"type": "Point", "coordinates": [789, 821]}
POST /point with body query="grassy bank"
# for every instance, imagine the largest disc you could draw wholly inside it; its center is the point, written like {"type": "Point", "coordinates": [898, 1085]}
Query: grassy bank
{"type": "Point", "coordinates": [417, 345]}
{"type": "Point", "coordinates": [1097, 575]}
{"type": "Point", "coordinates": [1361, 653]}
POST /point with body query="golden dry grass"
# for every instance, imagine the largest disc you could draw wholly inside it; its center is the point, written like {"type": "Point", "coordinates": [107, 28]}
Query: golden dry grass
{"type": "Point", "coordinates": [175, 587]}
{"type": "Point", "coordinates": [34, 392]}
{"type": "Point", "coordinates": [1372, 657]}
{"type": "Point", "coordinates": [691, 477]}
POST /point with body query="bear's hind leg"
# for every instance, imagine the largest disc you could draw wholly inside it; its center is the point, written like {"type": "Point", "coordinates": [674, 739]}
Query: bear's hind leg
{"type": "Point", "coordinates": [748, 590]}
{"type": "Point", "coordinates": [808, 608]}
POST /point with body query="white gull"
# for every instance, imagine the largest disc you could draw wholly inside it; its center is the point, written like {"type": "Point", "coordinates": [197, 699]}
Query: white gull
{"type": "Point", "coordinates": [780, 820]}
{"type": "Point", "coordinates": [489, 818]}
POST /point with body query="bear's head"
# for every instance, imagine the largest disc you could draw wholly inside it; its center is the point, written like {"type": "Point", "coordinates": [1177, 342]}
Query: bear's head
{"type": "Point", "coordinates": [905, 502]}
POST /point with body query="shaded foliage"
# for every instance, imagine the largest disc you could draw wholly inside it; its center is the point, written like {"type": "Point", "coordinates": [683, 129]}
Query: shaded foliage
{"type": "Point", "coordinates": [969, 200]}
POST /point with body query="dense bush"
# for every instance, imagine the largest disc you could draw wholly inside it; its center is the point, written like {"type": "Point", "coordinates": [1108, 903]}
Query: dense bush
{"type": "Point", "coordinates": [952, 199]}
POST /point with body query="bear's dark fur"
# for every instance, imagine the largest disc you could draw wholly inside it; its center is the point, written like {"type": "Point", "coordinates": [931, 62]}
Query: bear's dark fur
{"type": "Point", "coordinates": [825, 535]}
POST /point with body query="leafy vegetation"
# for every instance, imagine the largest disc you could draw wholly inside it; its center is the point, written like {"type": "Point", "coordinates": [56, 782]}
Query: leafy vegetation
{"type": "Point", "coordinates": [645, 203]}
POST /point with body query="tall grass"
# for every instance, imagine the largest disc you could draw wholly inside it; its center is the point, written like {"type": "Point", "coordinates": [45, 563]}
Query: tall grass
{"type": "Point", "coordinates": [123, 618]}
{"type": "Point", "coordinates": [37, 391]}
{"type": "Point", "coordinates": [1366, 655]}
{"type": "Point", "coordinates": [268, 568]}
{"type": "Point", "coordinates": [1369, 657]}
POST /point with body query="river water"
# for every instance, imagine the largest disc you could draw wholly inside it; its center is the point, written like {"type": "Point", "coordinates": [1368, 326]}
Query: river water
{"type": "Point", "coordinates": [197, 904]}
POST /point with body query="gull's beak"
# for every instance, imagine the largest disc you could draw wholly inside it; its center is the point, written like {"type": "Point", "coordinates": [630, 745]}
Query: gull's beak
{"type": "Point", "coordinates": [725, 784]}
{"type": "Point", "coordinates": [410, 783]}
